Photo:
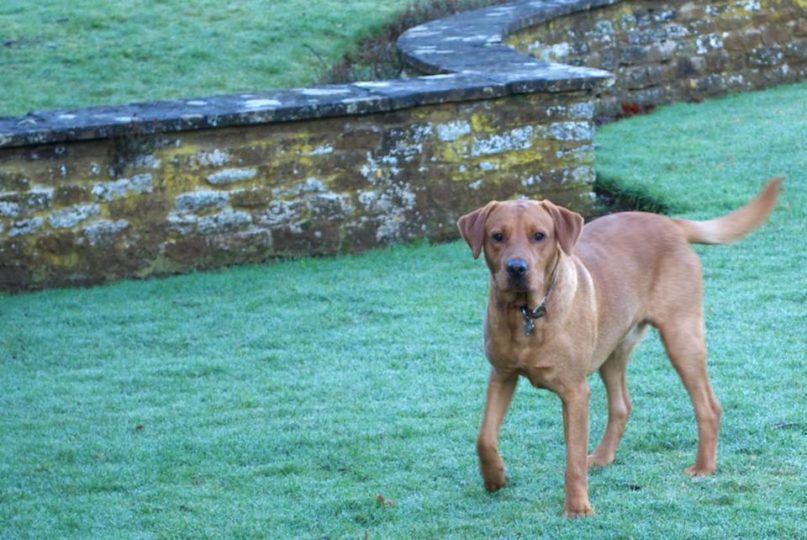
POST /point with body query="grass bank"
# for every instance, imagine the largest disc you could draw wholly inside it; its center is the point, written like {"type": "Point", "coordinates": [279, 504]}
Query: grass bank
{"type": "Point", "coordinates": [85, 52]}
{"type": "Point", "coordinates": [341, 397]}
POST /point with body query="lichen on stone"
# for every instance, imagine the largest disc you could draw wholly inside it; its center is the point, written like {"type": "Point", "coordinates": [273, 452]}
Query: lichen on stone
{"type": "Point", "coordinates": [225, 221]}
{"type": "Point", "coordinates": [71, 216]}
{"type": "Point", "coordinates": [108, 191]}
{"type": "Point", "coordinates": [230, 176]}
{"type": "Point", "coordinates": [194, 201]}
{"type": "Point", "coordinates": [26, 226]}
{"type": "Point", "coordinates": [515, 139]}
{"type": "Point", "coordinates": [103, 229]}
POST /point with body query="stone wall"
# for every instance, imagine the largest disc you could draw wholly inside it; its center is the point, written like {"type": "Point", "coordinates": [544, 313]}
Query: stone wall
{"type": "Point", "coordinates": [89, 211]}
{"type": "Point", "coordinates": [663, 52]}
{"type": "Point", "coordinates": [93, 195]}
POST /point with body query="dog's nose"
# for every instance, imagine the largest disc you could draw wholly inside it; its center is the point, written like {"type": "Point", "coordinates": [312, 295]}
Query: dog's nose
{"type": "Point", "coordinates": [517, 267]}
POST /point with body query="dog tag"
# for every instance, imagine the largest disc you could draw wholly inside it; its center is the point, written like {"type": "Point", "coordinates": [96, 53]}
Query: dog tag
{"type": "Point", "coordinates": [530, 316]}
{"type": "Point", "coordinates": [529, 326]}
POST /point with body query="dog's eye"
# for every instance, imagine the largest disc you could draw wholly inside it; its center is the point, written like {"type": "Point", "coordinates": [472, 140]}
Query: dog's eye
{"type": "Point", "coordinates": [537, 237]}
{"type": "Point", "coordinates": [497, 236]}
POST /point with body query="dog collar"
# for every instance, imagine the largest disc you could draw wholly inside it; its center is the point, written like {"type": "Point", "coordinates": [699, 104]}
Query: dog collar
{"type": "Point", "coordinates": [531, 315]}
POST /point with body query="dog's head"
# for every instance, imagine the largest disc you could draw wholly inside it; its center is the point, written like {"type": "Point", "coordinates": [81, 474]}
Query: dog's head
{"type": "Point", "coordinates": [520, 240]}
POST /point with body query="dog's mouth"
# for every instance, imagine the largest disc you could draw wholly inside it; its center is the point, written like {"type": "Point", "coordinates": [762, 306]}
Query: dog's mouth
{"type": "Point", "coordinates": [510, 284]}
{"type": "Point", "coordinates": [519, 285]}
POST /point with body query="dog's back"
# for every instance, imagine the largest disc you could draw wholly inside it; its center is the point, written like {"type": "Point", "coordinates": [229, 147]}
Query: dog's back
{"type": "Point", "coordinates": [630, 243]}
{"type": "Point", "coordinates": [642, 265]}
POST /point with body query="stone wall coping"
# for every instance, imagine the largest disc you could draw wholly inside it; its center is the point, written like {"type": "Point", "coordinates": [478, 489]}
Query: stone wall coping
{"type": "Point", "coordinates": [472, 41]}
{"type": "Point", "coordinates": [464, 55]}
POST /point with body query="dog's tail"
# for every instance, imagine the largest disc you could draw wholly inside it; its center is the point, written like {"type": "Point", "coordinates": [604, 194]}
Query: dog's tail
{"type": "Point", "coordinates": [732, 227]}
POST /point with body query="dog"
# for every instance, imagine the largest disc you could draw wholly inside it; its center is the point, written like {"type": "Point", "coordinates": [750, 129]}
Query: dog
{"type": "Point", "coordinates": [566, 300]}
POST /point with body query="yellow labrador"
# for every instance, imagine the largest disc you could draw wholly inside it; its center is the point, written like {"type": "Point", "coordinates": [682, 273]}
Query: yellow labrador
{"type": "Point", "coordinates": [567, 300]}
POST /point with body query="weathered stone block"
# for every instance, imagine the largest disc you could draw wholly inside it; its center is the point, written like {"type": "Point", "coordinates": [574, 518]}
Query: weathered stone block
{"type": "Point", "coordinates": [26, 226]}
{"type": "Point", "coordinates": [716, 61]}
{"type": "Point", "coordinates": [256, 197]}
{"type": "Point", "coordinates": [709, 42]}
{"type": "Point", "coordinates": [103, 230]}
{"type": "Point", "coordinates": [571, 131]}
{"type": "Point", "coordinates": [230, 176]}
{"type": "Point", "coordinates": [196, 201]}
{"type": "Point", "coordinates": [609, 106]}
{"type": "Point", "coordinates": [777, 75]}
{"type": "Point", "coordinates": [776, 34]}
{"type": "Point", "coordinates": [107, 191]}
{"type": "Point", "coordinates": [633, 54]}
{"type": "Point", "coordinates": [214, 157]}
{"type": "Point", "coordinates": [69, 217]}
{"type": "Point", "coordinates": [147, 209]}
{"type": "Point", "coordinates": [223, 222]}
{"type": "Point", "coordinates": [691, 11]}
{"type": "Point", "coordinates": [796, 51]}
{"type": "Point", "coordinates": [71, 194]}
{"type": "Point", "coordinates": [330, 206]}
{"type": "Point", "coordinates": [702, 27]}
{"type": "Point", "coordinates": [283, 213]}
{"type": "Point", "coordinates": [9, 209]}
{"type": "Point", "coordinates": [607, 59]}
{"type": "Point", "coordinates": [11, 181]}
{"type": "Point", "coordinates": [744, 39]}
{"type": "Point", "coordinates": [686, 67]}
{"type": "Point", "coordinates": [716, 84]}
{"type": "Point", "coordinates": [651, 96]}
{"type": "Point", "coordinates": [644, 76]}
{"type": "Point", "coordinates": [17, 203]}
{"type": "Point", "coordinates": [515, 139]}
{"type": "Point", "coordinates": [181, 223]}
{"type": "Point", "coordinates": [766, 56]}
{"type": "Point", "coordinates": [728, 23]}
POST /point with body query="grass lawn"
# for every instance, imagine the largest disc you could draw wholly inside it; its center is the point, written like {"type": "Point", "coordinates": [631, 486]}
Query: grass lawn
{"type": "Point", "coordinates": [282, 400]}
{"type": "Point", "coordinates": [90, 52]}
{"type": "Point", "coordinates": [85, 52]}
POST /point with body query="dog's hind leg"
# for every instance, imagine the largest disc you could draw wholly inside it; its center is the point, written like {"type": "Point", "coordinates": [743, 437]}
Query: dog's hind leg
{"type": "Point", "coordinates": [612, 373]}
{"type": "Point", "coordinates": [683, 338]}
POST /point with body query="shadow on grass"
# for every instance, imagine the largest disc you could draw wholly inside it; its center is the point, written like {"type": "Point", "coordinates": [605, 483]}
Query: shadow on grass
{"type": "Point", "coordinates": [612, 197]}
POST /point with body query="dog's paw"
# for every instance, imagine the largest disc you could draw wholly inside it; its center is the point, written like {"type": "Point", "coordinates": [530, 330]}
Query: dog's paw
{"type": "Point", "coordinates": [578, 510]}
{"type": "Point", "coordinates": [699, 471]}
{"type": "Point", "coordinates": [490, 487]}
{"type": "Point", "coordinates": [596, 460]}
{"type": "Point", "coordinates": [492, 469]}
{"type": "Point", "coordinates": [494, 480]}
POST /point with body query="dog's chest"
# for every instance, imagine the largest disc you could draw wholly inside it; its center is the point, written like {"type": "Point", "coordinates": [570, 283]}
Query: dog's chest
{"type": "Point", "coordinates": [525, 355]}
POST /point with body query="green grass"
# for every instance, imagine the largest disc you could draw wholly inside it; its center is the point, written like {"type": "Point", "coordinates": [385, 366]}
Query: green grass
{"type": "Point", "coordinates": [281, 400]}
{"type": "Point", "coordinates": [85, 52]}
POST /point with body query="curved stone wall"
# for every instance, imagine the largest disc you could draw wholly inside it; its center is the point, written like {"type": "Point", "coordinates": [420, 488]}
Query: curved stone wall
{"type": "Point", "coordinates": [663, 52]}
{"type": "Point", "coordinates": [93, 195]}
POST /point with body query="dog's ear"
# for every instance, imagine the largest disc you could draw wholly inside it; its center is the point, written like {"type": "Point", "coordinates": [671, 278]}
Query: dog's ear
{"type": "Point", "coordinates": [472, 227]}
{"type": "Point", "coordinates": [568, 225]}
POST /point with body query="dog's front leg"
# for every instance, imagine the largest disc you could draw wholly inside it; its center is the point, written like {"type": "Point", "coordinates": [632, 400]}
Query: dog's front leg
{"type": "Point", "coordinates": [575, 430]}
{"type": "Point", "coordinates": [500, 393]}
